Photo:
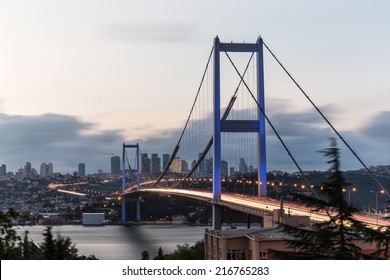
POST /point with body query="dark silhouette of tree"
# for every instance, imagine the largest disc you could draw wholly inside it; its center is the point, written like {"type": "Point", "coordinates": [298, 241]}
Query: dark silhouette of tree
{"type": "Point", "coordinates": [48, 246]}
{"type": "Point", "coordinates": [332, 239]}
{"type": "Point", "coordinates": [160, 254]}
{"type": "Point", "coordinates": [9, 240]}
{"type": "Point", "coordinates": [60, 248]}
{"type": "Point", "coordinates": [12, 247]}
{"type": "Point", "coordinates": [145, 255]}
{"type": "Point", "coordinates": [30, 250]}
{"type": "Point", "coordinates": [186, 252]}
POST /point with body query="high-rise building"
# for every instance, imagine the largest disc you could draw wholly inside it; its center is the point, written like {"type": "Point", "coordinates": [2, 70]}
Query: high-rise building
{"type": "Point", "coordinates": [145, 163]}
{"type": "Point", "coordinates": [165, 160]}
{"type": "Point", "coordinates": [209, 166]}
{"type": "Point", "coordinates": [176, 165]}
{"type": "Point", "coordinates": [27, 172]}
{"type": "Point", "coordinates": [232, 171]}
{"type": "Point", "coordinates": [3, 171]}
{"type": "Point", "coordinates": [224, 168]}
{"type": "Point", "coordinates": [202, 166]}
{"type": "Point", "coordinates": [82, 169]}
{"type": "Point", "coordinates": [46, 170]}
{"type": "Point", "coordinates": [50, 171]}
{"type": "Point", "coordinates": [156, 164]}
{"type": "Point", "coordinates": [242, 167]}
{"type": "Point", "coordinates": [184, 166]}
{"type": "Point", "coordinates": [115, 165]}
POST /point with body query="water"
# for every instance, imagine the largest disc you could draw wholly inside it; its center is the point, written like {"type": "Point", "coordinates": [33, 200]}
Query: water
{"type": "Point", "coordinates": [121, 243]}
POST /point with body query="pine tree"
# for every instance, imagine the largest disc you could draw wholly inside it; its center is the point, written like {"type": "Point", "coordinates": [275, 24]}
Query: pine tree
{"type": "Point", "coordinates": [9, 240]}
{"type": "Point", "coordinates": [332, 239]}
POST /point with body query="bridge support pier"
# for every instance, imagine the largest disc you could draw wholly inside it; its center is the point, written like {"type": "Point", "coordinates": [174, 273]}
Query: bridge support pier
{"type": "Point", "coordinates": [248, 220]}
{"type": "Point", "coordinates": [217, 217]}
{"type": "Point", "coordinates": [123, 210]}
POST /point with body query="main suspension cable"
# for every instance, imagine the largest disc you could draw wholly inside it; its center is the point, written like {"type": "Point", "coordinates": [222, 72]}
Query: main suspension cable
{"type": "Point", "coordinates": [327, 121]}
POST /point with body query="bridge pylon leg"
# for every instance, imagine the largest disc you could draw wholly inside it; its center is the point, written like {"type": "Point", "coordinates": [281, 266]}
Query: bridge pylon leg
{"type": "Point", "coordinates": [138, 210]}
{"type": "Point", "coordinates": [217, 217]}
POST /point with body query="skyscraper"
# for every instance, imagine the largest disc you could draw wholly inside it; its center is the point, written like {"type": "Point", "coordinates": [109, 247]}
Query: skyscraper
{"type": "Point", "coordinates": [145, 163]}
{"type": "Point", "coordinates": [115, 165]}
{"type": "Point", "coordinates": [27, 172]}
{"type": "Point", "coordinates": [224, 168]}
{"type": "Point", "coordinates": [46, 170]}
{"type": "Point", "coordinates": [165, 160]}
{"type": "Point", "coordinates": [242, 167]}
{"type": "Point", "coordinates": [82, 169]}
{"type": "Point", "coordinates": [156, 164]}
{"type": "Point", "coordinates": [3, 171]}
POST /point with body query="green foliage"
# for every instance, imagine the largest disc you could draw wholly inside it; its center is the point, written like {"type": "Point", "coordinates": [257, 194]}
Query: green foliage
{"type": "Point", "coordinates": [9, 240]}
{"type": "Point", "coordinates": [12, 247]}
{"type": "Point", "coordinates": [185, 252]}
{"type": "Point", "coordinates": [332, 239]}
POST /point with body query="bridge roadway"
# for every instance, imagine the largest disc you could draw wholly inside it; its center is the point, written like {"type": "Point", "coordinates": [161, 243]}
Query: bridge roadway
{"type": "Point", "coordinates": [256, 206]}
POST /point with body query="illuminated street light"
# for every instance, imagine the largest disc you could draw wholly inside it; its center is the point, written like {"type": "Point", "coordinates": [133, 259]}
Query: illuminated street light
{"type": "Point", "coordinates": [349, 193]}
{"type": "Point", "coordinates": [376, 203]}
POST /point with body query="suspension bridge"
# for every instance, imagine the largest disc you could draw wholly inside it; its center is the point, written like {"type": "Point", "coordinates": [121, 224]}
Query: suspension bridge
{"type": "Point", "coordinates": [224, 139]}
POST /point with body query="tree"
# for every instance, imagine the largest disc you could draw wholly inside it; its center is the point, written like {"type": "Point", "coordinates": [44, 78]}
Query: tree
{"type": "Point", "coordinates": [48, 247]}
{"type": "Point", "coordinates": [9, 240]}
{"type": "Point", "coordinates": [145, 255]}
{"type": "Point", "coordinates": [160, 254]}
{"type": "Point", "coordinates": [12, 247]}
{"type": "Point", "coordinates": [332, 239]}
{"type": "Point", "coordinates": [186, 252]}
{"type": "Point", "coordinates": [60, 248]}
{"type": "Point", "coordinates": [30, 251]}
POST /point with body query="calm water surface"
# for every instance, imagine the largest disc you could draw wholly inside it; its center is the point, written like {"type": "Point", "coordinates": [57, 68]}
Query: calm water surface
{"type": "Point", "coordinates": [121, 243]}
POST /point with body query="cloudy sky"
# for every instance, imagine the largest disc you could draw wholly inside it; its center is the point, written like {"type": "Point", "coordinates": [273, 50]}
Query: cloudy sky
{"type": "Point", "coordinates": [79, 78]}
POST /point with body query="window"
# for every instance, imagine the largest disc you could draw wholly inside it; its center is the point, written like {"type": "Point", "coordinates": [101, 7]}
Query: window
{"type": "Point", "coordinates": [236, 255]}
{"type": "Point", "coordinates": [263, 255]}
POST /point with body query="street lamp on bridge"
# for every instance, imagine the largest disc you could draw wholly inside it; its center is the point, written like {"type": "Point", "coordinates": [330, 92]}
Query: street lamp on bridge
{"type": "Point", "coordinates": [376, 203]}
{"type": "Point", "coordinates": [349, 190]}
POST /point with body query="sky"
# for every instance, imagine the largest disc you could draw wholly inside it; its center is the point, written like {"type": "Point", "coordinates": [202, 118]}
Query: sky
{"type": "Point", "coordinates": [79, 78]}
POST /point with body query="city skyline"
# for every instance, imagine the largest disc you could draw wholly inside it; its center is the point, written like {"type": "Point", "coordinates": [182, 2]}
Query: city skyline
{"type": "Point", "coordinates": [79, 79]}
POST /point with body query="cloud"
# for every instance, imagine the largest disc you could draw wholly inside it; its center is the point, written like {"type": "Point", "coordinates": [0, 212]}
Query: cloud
{"type": "Point", "coordinates": [151, 31]}
{"type": "Point", "coordinates": [305, 134]}
{"type": "Point", "coordinates": [57, 138]}
{"type": "Point", "coordinates": [67, 141]}
{"type": "Point", "coordinates": [379, 127]}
